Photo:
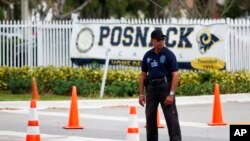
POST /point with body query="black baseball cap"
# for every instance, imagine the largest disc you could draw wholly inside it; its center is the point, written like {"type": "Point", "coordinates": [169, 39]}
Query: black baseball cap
{"type": "Point", "coordinates": [157, 33]}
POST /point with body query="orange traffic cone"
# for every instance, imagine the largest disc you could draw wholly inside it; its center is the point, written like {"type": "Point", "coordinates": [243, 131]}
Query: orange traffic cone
{"type": "Point", "coordinates": [133, 130]}
{"type": "Point", "coordinates": [159, 125]}
{"type": "Point", "coordinates": [73, 122]}
{"type": "Point", "coordinates": [33, 133]}
{"type": "Point", "coordinates": [217, 110]}
{"type": "Point", "coordinates": [35, 94]}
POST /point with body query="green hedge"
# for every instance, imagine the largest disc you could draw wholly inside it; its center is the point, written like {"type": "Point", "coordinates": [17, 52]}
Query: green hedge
{"type": "Point", "coordinates": [119, 83]}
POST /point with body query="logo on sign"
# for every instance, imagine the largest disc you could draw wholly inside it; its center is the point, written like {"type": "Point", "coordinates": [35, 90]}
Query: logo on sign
{"type": "Point", "coordinates": [84, 40]}
{"type": "Point", "coordinates": [206, 40]}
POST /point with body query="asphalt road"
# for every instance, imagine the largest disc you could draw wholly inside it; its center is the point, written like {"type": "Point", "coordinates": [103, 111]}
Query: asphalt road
{"type": "Point", "coordinates": [111, 123]}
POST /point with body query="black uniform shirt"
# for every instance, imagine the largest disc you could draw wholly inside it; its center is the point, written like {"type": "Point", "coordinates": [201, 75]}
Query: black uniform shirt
{"type": "Point", "coordinates": [159, 65]}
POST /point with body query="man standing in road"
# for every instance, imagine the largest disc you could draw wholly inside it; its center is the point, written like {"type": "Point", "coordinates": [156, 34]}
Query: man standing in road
{"type": "Point", "coordinates": [159, 66]}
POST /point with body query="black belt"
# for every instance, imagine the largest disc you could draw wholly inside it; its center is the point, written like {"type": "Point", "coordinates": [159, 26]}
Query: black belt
{"type": "Point", "coordinates": [158, 81]}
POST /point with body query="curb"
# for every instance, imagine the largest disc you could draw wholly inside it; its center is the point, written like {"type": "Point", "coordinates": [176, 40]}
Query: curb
{"type": "Point", "coordinates": [101, 103]}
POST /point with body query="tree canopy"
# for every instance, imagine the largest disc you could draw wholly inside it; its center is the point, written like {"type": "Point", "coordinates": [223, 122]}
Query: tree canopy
{"type": "Point", "coordinates": [62, 9]}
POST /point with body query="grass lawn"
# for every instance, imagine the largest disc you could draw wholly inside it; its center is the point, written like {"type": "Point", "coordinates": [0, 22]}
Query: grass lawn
{"type": "Point", "coordinates": [7, 96]}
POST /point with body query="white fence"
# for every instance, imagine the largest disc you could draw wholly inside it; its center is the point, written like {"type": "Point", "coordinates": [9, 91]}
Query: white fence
{"type": "Point", "coordinates": [35, 44]}
{"type": "Point", "coordinates": [48, 43]}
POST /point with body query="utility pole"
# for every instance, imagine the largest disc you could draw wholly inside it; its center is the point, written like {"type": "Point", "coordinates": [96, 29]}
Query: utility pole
{"type": "Point", "coordinates": [25, 9]}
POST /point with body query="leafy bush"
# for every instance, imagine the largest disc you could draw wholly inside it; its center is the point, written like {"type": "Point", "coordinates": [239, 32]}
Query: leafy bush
{"type": "Point", "coordinates": [120, 83]}
{"type": "Point", "coordinates": [18, 80]}
{"type": "Point", "coordinates": [19, 84]}
{"type": "Point", "coordinates": [3, 85]}
{"type": "Point", "coordinates": [60, 86]}
{"type": "Point", "coordinates": [122, 89]}
{"type": "Point", "coordinates": [84, 88]}
{"type": "Point", "coordinates": [188, 77]}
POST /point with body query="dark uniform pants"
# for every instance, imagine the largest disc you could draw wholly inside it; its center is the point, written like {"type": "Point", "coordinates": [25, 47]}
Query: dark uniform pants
{"type": "Point", "coordinates": [157, 93]}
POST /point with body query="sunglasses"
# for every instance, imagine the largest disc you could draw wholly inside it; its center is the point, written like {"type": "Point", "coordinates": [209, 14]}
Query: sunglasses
{"type": "Point", "coordinates": [159, 39]}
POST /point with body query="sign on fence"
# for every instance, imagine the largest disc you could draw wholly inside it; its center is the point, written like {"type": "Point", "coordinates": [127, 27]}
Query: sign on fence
{"type": "Point", "coordinates": [131, 41]}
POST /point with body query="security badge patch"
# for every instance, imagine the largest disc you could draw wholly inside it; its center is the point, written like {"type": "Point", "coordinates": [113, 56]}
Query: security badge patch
{"type": "Point", "coordinates": [206, 40]}
{"type": "Point", "coordinates": [162, 59]}
{"type": "Point", "coordinates": [154, 63]}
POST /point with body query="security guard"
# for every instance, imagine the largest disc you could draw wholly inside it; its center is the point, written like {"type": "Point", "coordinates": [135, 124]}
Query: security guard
{"type": "Point", "coordinates": [159, 66]}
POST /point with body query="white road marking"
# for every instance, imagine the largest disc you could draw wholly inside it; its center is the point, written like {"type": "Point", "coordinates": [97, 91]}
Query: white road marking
{"type": "Point", "coordinates": [47, 137]}
{"type": "Point", "coordinates": [105, 117]}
